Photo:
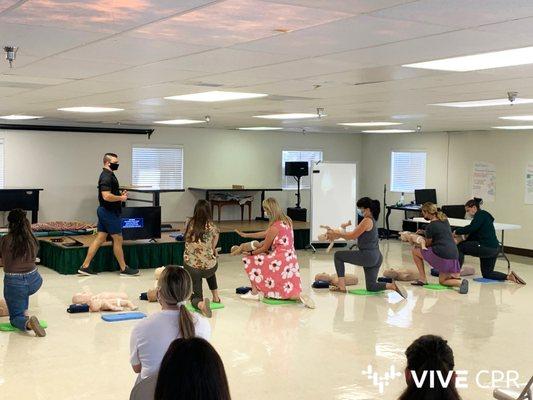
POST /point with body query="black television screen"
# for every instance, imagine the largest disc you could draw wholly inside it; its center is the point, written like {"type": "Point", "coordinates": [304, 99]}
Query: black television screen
{"type": "Point", "coordinates": [141, 223]}
{"type": "Point", "coordinates": [425, 196]}
{"type": "Point", "coordinates": [296, 168]}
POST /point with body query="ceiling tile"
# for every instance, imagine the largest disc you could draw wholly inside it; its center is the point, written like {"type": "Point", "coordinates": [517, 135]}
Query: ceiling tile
{"type": "Point", "coordinates": [237, 21]}
{"type": "Point", "coordinates": [353, 6]}
{"type": "Point", "coordinates": [353, 33]}
{"type": "Point", "coordinates": [59, 67]}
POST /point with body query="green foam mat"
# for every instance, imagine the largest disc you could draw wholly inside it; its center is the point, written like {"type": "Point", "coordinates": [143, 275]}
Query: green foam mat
{"type": "Point", "coordinates": [212, 306]}
{"type": "Point", "coordinates": [364, 292]}
{"type": "Point", "coordinates": [278, 302]}
{"type": "Point", "coordinates": [436, 286]}
{"type": "Point", "coordinates": [7, 327]}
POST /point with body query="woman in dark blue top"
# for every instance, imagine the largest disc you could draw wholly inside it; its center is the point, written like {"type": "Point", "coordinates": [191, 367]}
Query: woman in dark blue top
{"type": "Point", "coordinates": [482, 242]}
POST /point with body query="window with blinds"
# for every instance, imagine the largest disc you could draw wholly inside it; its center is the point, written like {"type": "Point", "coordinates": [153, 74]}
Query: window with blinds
{"type": "Point", "coordinates": [159, 167]}
{"type": "Point", "coordinates": [288, 182]}
{"type": "Point", "coordinates": [2, 163]}
{"type": "Point", "coordinates": [408, 171]}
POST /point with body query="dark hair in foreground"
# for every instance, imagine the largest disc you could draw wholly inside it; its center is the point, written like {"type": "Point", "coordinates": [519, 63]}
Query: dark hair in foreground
{"type": "Point", "coordinates": [22, 240]}
{"type": "Point", "coordinates": [373, 205]}
{"type": "Point", "coordinates": [475, 202]}
{"type": "Point", "coordinates": [430, 353]}
{"type": "Point", "coordinates": [192, 370]}
{"type": "Point", "coordinates": [197, 225]}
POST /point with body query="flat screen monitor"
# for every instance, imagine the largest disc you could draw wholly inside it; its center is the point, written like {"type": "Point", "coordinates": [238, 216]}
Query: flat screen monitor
{"type": "Point", "coordinates": [296, 168]}
{"type": "Point", "coordinates": [425, 196]}
{"type": "Point", "coordinates": [141, 223]}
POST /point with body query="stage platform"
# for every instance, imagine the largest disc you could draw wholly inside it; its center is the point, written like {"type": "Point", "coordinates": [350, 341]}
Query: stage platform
{"type": "Point", "coordinates": [143, 254]}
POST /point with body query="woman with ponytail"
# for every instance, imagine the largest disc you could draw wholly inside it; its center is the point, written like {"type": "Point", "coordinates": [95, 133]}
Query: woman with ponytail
{"type": "Point", "coordinates": [441, 252]}
{"type": "Point", "coordinates": [368, 256]}
{"type": "Point", "coordinates": [425, 356]}
{"type": "Point", "coordinates": [18, 250]}
{"type": "Point", "coordinates": [482, 242]}
{"type": "Point", "coordinates": [151, 337]}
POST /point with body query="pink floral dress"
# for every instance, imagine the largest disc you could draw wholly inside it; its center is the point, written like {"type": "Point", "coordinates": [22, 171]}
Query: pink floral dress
{"type": "Point", "coordinates": [276, 274]}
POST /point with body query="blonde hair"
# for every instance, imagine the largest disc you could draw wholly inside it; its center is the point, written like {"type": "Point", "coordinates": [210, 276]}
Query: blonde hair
{"type": "Point", "coordinates": [175, 286]}
{"type": "Point", "coordinates": [274, 211]}
{"type": "Point", "coordinates": [432, 209]}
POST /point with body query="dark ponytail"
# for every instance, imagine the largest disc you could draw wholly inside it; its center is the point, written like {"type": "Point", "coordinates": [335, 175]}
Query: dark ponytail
{"type": "Point", "coordinates": [475, 202]}
{"type": "Point", "coordinates": [373, 205]}
{"type": "Point", "coordinates": [430, 353]}
{"type": "Point", "coordinates": [23, 242]}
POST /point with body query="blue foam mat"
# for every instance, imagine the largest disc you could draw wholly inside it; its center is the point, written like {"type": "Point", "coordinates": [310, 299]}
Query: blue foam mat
{"type": "Point", "coordinates": [123, 316]}
{"type": "Point", "coordinates": [485, 280]}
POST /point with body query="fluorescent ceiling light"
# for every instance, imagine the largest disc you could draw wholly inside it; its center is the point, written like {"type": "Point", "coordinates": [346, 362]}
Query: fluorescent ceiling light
{"type": "Point", "coordinates": [179, 122]}
{"type": "Point", "coordinates": [519, 118]}
{"type": "Point", "coordinates": [289, 116]}
{"type": "Point", "coordinates": [514, 127]}
{"type": "Point", "coordinates": [483, 103]}
{"type": "Point", "coordinates": [90, 109]}
{"type": "Point", "coordinates": [260, 128]}
{"type": "Point", "coordinates": [363, 124]}
{"type": "Point", "coordinates": [476, 62]}
{"type": "Point", "coordinates": [389, 131]}
{"type": "Point", "coordinates": [216, 95]}
{"type": "Point", "coordinates": [19, 117]}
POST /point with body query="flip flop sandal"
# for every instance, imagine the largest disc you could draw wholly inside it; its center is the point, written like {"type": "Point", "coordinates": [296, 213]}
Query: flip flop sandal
{"type": "Point", "coordinates": [334, 288]}
{"type": "Point", "coordinates": [518, 279]}
{"type": "Point", "coordinates": [418, 283]}
{"type": "Point", "coordinates": [400, 290]}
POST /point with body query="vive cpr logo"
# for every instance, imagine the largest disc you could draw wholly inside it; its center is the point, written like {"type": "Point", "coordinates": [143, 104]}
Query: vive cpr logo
{"type": "Point", "coordinates": [381, 380]}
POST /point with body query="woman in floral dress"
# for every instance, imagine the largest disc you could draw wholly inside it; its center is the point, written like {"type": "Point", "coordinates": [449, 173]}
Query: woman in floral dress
{"type": "Point", "coordinates": [273, 268]}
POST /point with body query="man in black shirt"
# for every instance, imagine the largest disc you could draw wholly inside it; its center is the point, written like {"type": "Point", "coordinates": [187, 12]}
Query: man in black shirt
{"type": "Point", "coordinates": [109, 222]}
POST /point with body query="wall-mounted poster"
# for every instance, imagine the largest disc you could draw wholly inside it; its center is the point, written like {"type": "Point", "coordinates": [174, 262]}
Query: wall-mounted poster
{"type": "Point", "coordinates": [484, 181]}
{"type": "Point", "coordinates": [529, 183]}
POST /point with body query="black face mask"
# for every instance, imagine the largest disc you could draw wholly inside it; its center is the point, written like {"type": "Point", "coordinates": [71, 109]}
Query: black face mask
{"type": "Point", "coordinates": [113, 166]}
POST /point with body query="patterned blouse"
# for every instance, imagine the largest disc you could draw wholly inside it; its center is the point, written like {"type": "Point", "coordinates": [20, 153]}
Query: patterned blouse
{"type": "Point", "coordinates": [200, 254]}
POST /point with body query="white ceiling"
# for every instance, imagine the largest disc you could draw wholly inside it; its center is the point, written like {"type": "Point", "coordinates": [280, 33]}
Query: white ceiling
{"type": "Point", "coordinates": [342, 55]}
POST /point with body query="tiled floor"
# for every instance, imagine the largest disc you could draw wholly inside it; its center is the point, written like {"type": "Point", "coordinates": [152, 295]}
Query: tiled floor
{"type": "Point", "coordinates": [279, 352]}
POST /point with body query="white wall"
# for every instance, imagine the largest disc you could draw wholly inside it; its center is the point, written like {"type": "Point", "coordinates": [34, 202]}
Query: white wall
{"type": "Point", "coordinates": [67, 165]}
{"type": "Point", "coordinates": [449, 169]}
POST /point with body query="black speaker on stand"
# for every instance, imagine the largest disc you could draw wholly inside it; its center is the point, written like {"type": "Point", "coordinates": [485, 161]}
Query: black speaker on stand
{"type": "Point", "coordinates": [297, 169]}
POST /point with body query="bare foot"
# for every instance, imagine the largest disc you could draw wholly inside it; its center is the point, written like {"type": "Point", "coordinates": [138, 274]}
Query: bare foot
{"type": "Point", "coordinates": [205, 308]}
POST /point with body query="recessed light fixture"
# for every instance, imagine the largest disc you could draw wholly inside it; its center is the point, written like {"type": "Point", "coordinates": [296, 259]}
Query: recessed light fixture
{"type": "Point", "coordinates": [364, 124]}
{"type": "Point", "coordinates": [216, 95]}
{"type": "Point", "coordinates": [90, 109]}
{"type": "Point", "coordinates": [289, 116]}
{"type": "Point", "coordinates": [483, 103]}
{"type": "Point", "coordinates": [15, 117]}
{"type": "Point", "coordinates": [514, 127]}
{"type": "Point", "coordinates": [519, 118]}
{"type": "Point", "coordinates": [260, 128]}
{"type": "Point", "coordinates": [477, 62]}
{"type": "Point", "coordinates": [389, 131]}
{"type": "Point", "coordinates": [180, 122]}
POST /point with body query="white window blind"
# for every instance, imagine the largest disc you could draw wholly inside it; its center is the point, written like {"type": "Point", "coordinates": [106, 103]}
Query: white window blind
{"type": "Point", "coordinates": [288, 182]}
{"type": "Point", "coordinates": [160, 167]}
{"type": "Point", "coordinates": [2, 163]}
{"type": "Point", "coordinates": [408, 171]}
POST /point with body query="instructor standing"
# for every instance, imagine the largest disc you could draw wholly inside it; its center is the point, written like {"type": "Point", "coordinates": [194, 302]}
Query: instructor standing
{"type": "Point", "coordinates": [109, 222]}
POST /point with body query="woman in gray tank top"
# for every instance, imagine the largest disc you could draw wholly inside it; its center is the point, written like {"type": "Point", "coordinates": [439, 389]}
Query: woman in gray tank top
{"type": "Point", "coordinates": [368, 256]}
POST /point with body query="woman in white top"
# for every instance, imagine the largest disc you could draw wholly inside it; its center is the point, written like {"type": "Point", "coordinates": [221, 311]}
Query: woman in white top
{"type": "Point", "coordinates": [152, 336]}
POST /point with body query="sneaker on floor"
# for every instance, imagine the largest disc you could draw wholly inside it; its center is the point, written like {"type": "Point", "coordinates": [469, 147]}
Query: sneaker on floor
{"type": "Point", "coordinates": [463, 289]}
{"type": "Point", "coordinates": [250, 296]}
{"type": "Point", "coordinates": [307, 301]}
{"type": "Point", "coordinates": [87, 271]}
{"type": "Point", "coordinates": [35, 326]}
{"type": "Point", "coordinates": [129, 272]}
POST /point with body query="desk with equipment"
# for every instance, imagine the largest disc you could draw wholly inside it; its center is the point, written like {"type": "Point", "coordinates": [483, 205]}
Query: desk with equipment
{"type": "Point", "coordinates": [155, 192]}
{"type": "Point", "coordinates": [239, 189]}
{"type": "Point", "coordinates": [24, 198]}
{"type": "Point", "coordinates": [459, 223]}
{"type": "Point", "coordinates": [421, 196]}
